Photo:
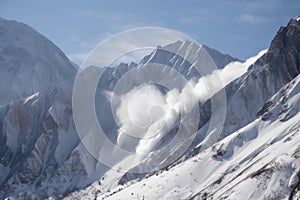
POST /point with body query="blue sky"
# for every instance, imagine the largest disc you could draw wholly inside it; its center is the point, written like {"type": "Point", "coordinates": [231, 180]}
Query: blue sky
{"type": "Point", "coordinates": [239, 28]}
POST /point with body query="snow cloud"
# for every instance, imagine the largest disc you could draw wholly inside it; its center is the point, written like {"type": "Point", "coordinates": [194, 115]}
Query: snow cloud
{"type": "Point", "coordinates": [146, 114]}
{"type": "Point", "coordinates": [229, 73]}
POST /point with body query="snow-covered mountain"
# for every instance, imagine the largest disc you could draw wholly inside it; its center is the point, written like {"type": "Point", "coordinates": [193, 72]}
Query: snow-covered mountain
{"type": "Point", "coordinates": [41, 154]}
{"type": "Point", "coordinates": [37, 131]}
{"type": "Point", "coordinates": [254, 157]}
{"type": "Point", "coordinates": [29, 62]}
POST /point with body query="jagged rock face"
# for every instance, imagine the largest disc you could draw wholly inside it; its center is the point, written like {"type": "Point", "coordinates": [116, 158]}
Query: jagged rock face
{"type": "Point", "coordinates": [286, 45]}
{"type": "Point", "coordinates": [38, 136]}
{"type": "Point", "coordinates": [248, 94]}
{"type": "Point", "coordinates": [37, 133]}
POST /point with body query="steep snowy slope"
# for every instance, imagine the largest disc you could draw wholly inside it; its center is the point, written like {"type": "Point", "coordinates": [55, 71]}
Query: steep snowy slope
{"type": "Point", "coordinates": [29, 62]}
{"type": "Point", "coordinates": [264, 78]}
{"type": "Point", "coordinates": [252, 143]}
{"type": "Point", "coordinates": [37, 132]}
{"type": "Point", "coordinates": [40, 152]}
{"type": "Point", "coordinates": [113, 177]}
{"type": "Point", "coordinates": [259, 161]}
{"type": "Point", "coordinates": [169, 60]}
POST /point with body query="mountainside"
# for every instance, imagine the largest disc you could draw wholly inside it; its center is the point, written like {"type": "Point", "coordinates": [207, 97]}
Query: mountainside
{"type": "Point", "coordinates": [29, 62]}
{"type": "Point", "coordinates": [255, 156]}
{"type": "Point", "coordinates": [37, 130]}
{"type": "Point", "coordinates": [259, 161]}
{"type": "Point", "coordinates": [40, 152]}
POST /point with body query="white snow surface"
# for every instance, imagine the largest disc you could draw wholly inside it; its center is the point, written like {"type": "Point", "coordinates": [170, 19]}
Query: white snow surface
{"type": "Point", "coordinates": [251, 163]}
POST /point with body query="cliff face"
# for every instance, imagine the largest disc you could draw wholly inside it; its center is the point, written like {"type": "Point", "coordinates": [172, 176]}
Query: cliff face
{"type": "Point", "coordinates": [277, 67]}
{"type": "Point", "coordinates": [37, 133]}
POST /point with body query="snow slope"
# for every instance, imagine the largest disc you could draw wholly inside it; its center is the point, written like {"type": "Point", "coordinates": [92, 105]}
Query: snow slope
{"type": "Point", "coordinates": [29, 62]}
{"type": "Point", "coordinates": [40, 152]}
{"type": "Point", "coordinates": [37, 133]}
{"type": "Point", "coordinates": [259, 161]}
{"type": "Point", "coordinates": [254, 157]}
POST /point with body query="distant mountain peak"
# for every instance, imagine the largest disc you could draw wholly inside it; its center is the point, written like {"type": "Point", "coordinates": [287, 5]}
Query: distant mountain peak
{"type": "Point", "coordinates": [296, 18]}
{"type": "Point", "coordinates": [29, 61]}
{"type": "Point", "coordinates": [183, 47]}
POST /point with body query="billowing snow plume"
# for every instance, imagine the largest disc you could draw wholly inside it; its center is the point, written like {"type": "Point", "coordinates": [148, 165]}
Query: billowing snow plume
{"type": "Point", "coordinates": [145, 114]}
{"type": "Point", "coordinates": [230, 72]}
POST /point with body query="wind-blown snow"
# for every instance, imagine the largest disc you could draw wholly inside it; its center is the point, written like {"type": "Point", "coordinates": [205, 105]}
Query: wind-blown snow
{"type": "Point", "coordinates": [145, 112]}
{"type": "Point", "coordinates": [230, 72]}
{"type": "Point", "coordinates": [248, 164]}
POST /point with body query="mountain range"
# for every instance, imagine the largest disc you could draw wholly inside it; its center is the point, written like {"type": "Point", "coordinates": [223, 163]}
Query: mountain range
{"type": "Point", "coordinates": [254, 156]}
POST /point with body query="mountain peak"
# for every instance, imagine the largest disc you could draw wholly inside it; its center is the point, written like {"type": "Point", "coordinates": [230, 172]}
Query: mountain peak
{"type": "Point", "coordinates": [29, 61]}
{"type": "Point", "coordinates": [284, 49]}
{"type": "Point", "coordinates": [184, 47]}
{"type": "Point", "coordinates": [220, 59]}
{"type": "Point", "coordinates": [297, 18]}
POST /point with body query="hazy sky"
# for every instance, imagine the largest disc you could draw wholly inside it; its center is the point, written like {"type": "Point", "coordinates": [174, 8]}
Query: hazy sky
{"type": "Point", "coordinates": [240, 28]}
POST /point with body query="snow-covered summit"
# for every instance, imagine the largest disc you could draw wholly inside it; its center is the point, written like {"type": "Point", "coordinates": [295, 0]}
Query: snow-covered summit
{"type": "Point", "coordinates": [29, 62]}
{"type": "Point", "coordinates": [297, 18]}
{"type": "Point", "coordinates": [36, 128]}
